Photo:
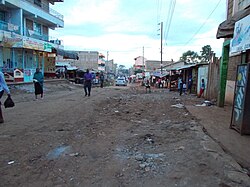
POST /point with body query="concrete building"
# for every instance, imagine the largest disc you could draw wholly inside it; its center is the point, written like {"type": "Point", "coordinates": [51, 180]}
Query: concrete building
{"type": "Point", "coordinates": [25, 43]}
{"type": "Point", "coordinates": [236, 47]}
{"type": "Point", "coordinates": [152, 65]}
{"type": "Point", "coordinates": [139, 62]}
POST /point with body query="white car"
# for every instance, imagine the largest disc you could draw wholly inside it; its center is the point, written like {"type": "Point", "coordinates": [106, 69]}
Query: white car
{"type": "Point", "coordinates": [121, 81]}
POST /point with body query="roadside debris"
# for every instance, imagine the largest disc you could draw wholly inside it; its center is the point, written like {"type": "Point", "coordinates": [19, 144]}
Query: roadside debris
{"type": "Point", "coordinates": [178, 105]}
{"type": "Point", "coordinates": [11, 162]}
{"type": "Point", "coordinates": [206, 103]}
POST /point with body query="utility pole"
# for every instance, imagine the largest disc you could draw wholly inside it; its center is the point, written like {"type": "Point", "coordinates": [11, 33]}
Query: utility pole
{"type": "Point", "coordinates": [143, 63]}
{"type": "Point", "coordinates": [107, 56]}
{"type": "Point", "coordinates": [161, 44]}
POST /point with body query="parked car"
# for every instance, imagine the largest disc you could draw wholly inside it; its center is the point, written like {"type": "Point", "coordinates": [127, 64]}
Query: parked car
{"type": "Point", "coordinates": [121, 81]}
{"type": "Point", "coordinates": [79, 77]}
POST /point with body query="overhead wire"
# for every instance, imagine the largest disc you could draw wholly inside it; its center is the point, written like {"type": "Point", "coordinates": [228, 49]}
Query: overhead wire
{"type": "Point", "coordinates": [184, 44]}
{"type": "Point", "coordinates": [169, 20]}
{"type": "Point", "coordinates": [203, 23]}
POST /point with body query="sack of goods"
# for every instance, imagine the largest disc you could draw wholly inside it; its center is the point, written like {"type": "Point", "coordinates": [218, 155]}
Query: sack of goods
{"type": "Point", "coordinates": [8, 103]}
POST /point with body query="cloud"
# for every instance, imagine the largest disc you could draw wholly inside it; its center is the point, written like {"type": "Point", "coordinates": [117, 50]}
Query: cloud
{"type": "Point", "coordinates": [123, 27]}
{"type": "Point", "coordinates": [94, 11]}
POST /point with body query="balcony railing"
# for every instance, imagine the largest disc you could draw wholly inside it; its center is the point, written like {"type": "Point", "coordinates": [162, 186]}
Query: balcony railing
{"type": "Point", "coordinates": [44, 37]}
{"type": "Point", "coordinates": [36, 35]}
{"type": "Point", "coordinates": [46, 8]}
{"type": "Point", "coordinates": [9, 27]}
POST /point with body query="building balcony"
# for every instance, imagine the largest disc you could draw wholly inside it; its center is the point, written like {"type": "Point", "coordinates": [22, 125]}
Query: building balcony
{"type": "Point", "coordinates": [9, 27]}
{"type": "Point", "coordinates": [38, 11]}
{"type": "Point", "coordinates": [45, 7]}
{"type": "Point", "coordinates": [43, 37]}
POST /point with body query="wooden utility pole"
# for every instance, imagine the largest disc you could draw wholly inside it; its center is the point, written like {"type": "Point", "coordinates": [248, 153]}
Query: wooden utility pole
{"type": "Point", "coordinates": [161, 44]}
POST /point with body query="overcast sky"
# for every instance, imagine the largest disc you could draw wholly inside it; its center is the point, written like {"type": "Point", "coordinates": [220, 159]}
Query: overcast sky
{"type": "Point", "coordinates": [124, 27]}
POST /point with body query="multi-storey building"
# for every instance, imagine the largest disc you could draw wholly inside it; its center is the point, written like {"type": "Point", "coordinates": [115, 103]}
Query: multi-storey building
{"type": "Point", "coordinates": [139, 63]}
{"type": "Point", "coordinates": [25, 43]}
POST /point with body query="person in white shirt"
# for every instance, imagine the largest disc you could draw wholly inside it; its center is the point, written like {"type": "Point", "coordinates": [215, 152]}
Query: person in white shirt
{"type": "Point", "coordinates": [3, 87]}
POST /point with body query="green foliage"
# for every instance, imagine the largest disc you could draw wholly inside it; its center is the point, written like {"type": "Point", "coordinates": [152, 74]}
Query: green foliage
{"type": "Point", "coordinates": [190, 56]}
{"type": "Point", "coordinates": [206, 53]}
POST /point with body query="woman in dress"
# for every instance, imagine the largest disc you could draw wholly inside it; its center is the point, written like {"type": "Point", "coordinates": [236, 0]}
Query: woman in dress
{"type": "Point", "coordinates": [38, 83]}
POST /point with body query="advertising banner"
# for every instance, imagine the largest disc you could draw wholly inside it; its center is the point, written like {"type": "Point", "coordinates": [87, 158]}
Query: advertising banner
{"type": "Point", "coordinates": [241, 39]}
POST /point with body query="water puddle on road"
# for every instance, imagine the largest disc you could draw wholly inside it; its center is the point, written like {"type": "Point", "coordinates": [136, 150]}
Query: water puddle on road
{"type": "Point", "coordinates": [57, 152]}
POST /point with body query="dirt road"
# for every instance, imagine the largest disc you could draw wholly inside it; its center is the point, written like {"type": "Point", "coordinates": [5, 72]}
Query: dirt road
{"type": "Point", "coordinates": [119, 136]}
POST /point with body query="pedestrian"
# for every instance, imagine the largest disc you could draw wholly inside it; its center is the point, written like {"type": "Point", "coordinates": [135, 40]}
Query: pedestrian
{"type": "Point", "coordinates": [87, 82]}
{"type": "Point", "coordinates": [180, 83]}
{"type": "Point", "coordinates": [184, 86]}
{"type": "Point", "coordinates": [65, 72]}
{"type": "Point", "coordinates": [101, 79]}
{"type": "Point", "coordinates": [38, 83]}
{"type": "Point", "coordinates": [190, 83]}
{"type": "Point", "coordinates": [202, 89]}
{"type": "Point", "coordinates": [159, 83]}
{"type": "Point", "coordinates": [147, 86]}
{"type": "Point", "coordinates": [3, 87]}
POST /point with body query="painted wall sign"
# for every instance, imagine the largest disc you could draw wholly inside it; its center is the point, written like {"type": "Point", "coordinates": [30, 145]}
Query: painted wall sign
{"type": "Point", "coordinates": [241, 39]}
{"type": "Point", "coordinates": [240, 113]}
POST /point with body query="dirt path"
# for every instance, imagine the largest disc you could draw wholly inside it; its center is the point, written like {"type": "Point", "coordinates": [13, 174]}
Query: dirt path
{"type": "Point", "coordinates": [119, 136]}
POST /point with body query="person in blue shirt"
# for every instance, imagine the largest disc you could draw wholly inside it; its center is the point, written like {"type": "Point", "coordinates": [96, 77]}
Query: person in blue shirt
{"type": "Point", "coordinates": [87, 82]}
{"type": "Point", "coordinates": [38, 83]}
{"type": "Point", "coordinates": [3, 87]}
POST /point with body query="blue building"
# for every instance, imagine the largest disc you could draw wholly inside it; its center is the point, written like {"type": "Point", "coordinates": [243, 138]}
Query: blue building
{"type": "Point", "coordinates": [25, 43]}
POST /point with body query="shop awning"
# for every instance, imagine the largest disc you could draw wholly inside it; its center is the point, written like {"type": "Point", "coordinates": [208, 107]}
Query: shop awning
{"type": "Point", "coordinates": [226, 28]}
{"type": "Point", "coordinates": [66, 54]}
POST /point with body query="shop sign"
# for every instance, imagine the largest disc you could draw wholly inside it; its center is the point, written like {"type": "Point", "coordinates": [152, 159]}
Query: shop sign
{"type": "Point", "coordinates": [47, 47]}
{"type": "Point", "coordinates": [31, 43]}
{"type": "Point", "coordinates": [10, 40]}
{"type": "Point", "coordinates": [241, 39]}
{"type": "Point", "coordinates": [35, 44]}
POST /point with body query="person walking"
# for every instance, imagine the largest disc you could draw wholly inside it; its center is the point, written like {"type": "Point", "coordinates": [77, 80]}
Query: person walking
{"type": "Point", "coordinates": [38, 83]}
{"type": "Point", "coordinates": [101, 79]}
{"type": "Point", "coordinates": [190, 83]}
{"type": "Point", "coordinates": [180, 86]}
{"type": "Point", "coordinates": [3, 87]}
{"type": "Point", "coordinates": [87, 82]}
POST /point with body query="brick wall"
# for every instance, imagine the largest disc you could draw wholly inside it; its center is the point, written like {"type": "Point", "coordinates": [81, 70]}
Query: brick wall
{"type": "Point", "coordinates": [232, 67]}
{"type": "Point", "coordinates": [230, 8]}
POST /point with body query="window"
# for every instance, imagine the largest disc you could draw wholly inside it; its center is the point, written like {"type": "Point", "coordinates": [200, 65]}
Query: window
{"type": "Point", "coordinates": [2, 16]}
{"type": "Point", "coordinates": [240, 5]}
{"type": "Point", "coordinates": [38, 28]}
{"type": "Point", "coordinates": [243, 4]}
{"type": "Point", "coordinates": [38, 2]}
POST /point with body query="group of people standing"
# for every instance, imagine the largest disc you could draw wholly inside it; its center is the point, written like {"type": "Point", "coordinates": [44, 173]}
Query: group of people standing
{"type": "Point", "coordinates": [183, 87]}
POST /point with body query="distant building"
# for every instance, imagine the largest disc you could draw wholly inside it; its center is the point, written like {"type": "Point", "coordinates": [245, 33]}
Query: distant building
{"type": "Point", "coordinates": [139, 63]}
{"type": "Point", "coordinates": [152, 65]}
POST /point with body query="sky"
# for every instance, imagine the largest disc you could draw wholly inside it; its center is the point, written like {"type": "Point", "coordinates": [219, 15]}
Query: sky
{"type": "Point", "coordinates": [126, 29]}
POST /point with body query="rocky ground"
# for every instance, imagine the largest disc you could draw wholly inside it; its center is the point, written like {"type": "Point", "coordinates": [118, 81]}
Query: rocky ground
{"type": "Point", "coordinates": [119, 136]}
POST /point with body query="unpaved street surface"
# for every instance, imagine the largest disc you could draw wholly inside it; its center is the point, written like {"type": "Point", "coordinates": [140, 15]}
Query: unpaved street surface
{"type": "Point", "coordinates": [119, 136]}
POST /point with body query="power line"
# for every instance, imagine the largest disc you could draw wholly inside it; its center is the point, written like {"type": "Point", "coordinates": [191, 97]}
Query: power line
{"type": "Point", "coordinates": [169, 20]}
{"type": "Point", "coordinates": [203, 23]}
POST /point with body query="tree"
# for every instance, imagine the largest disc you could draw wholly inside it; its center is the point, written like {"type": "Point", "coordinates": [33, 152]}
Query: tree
{"type": "Point", "coordinates": [121, 67]}
{"type": "Point", "coordinates": [190, 56]}
{"type": "Point", "coordinates": [206, 53]}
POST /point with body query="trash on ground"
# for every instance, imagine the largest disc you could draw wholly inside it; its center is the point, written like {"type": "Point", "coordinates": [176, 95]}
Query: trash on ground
{"type": "Point", "coordinates": [57, 152]}
{"type": "Point", "coordinates": [178, 105]}
{"type": "Point", "coordinates": [11, 162]}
